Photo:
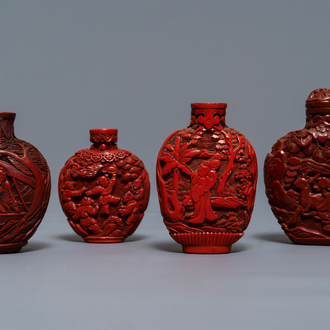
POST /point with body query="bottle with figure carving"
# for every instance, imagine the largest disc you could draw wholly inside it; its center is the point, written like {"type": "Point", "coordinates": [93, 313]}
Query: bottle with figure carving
{"type": "Point", "coordinates": [297, 175]}
{"type": "Point", "coordinates": [104, 190]}
{"type": "Point", "coordinates": [206, 180]}
{"type": "Point", "coordinates": [24, 187]}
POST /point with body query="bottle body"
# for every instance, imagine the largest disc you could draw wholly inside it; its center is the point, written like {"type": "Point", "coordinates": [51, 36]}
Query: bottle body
{"type": "Point", "coordinates": [104, 190]}
{"type": "Point", "coordinates": [206, 179]}
{"type": "Point", "coordinates": [297, 175]}
{"type": "Point", "coordinates": [24, 187]}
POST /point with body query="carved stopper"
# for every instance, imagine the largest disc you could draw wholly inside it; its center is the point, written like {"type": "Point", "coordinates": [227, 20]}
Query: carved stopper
{"type": "Point", "coordinates": [104, 138]}
{"type": "Point", "coordinates": [7, 124]}
{"type": "Point", "coordinates": [318, 101]}
{"type": "Point", "coordinates": [208, 114]}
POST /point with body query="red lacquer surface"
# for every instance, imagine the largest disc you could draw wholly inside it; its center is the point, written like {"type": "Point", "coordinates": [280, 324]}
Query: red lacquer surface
{"type": "Point", "coordinates": [24, 187]}
{"type": "Point", "coordinates": [297, 175]}
{"type": "Point", "coordinates": [104, 190]}
{"type": "Point", "coordinates": [206, 179]}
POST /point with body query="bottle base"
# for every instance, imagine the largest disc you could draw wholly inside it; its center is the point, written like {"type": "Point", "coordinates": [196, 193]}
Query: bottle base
{"type": "Point", "coordinates": [11, 247]}
{"type": "Point", "coordinates": [206, 249]}
{"type": "Point", "coordinates": [206, 243]}
{"type": "Point", "coordinates": [311, 241]}
{"type": "Point", "coordinates": [92, 239]}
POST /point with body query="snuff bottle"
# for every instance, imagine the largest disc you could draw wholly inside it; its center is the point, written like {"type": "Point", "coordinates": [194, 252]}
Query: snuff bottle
{"type": "Point", "coordinates": [24, 187]}
{"type": "Point", "coordinates": [206, 179]}
{"type": "Point", "coordinates": [297, 175]}
{"type": "Point", "coordinates": [104, 190]}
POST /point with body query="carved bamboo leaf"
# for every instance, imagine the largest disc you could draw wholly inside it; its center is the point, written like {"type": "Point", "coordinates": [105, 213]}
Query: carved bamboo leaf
{"type": "Point", "coordinates": [20, 166]}
{"type": "Point", "coordinates": [170, 147]}
{"type": "Point", "coordinates": [185, 169]}
{"type": "Point", "coordinates": [169, 167]}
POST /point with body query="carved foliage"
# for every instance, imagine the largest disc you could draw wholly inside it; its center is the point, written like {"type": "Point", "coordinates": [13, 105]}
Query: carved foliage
{"type": "Point", "coordinates": [206, 177]}
{"type": "Point", "coordinates": [24, 190]}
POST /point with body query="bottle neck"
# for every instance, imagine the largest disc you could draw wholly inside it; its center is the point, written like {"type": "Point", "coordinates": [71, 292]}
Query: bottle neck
{"type": "Point", "coordinates": [318, 110]}
{"type": "Point", "coordinates": [317, 116]}
{"type": "Point", "coordinates": [7, 125]}
{"type": "Point", "coordinates": [209, 115]}
{"type": "Point", "coordinates": [103, 139]}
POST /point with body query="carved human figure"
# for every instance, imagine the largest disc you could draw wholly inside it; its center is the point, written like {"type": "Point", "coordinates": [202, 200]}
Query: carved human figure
{"type": "Point", "coordinates": [132, 202]}
{"type": "Point", "coordinates": [8, 202]}
{"type": "Point", "coordinates": [202, 182]}
{"type": "Point", "coordinates": [69, 191]}
{"type": "Point", "coordinates": [85, 215]}
{"type": "Point", "coordinates": [130, 208]}
{"type": "Point", "coordinates": [104, 188]}
{"type": "Point", "coordinates": [137, 190]}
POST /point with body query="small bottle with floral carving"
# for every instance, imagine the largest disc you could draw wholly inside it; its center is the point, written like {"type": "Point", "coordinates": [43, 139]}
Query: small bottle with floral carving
{"type": "Point", "coordinates": [104, 190]}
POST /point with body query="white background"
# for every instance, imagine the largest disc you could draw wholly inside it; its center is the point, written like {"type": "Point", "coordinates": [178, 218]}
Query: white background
{"type": "Point", "coordinates": [68, 66]}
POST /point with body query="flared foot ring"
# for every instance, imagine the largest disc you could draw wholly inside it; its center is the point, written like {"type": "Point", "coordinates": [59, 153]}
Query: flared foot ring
{"type": "Point", "coordinates": [206, 242]}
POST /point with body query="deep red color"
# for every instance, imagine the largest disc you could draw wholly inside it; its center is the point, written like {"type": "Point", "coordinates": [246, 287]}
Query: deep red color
{"type": "Point", "coordinates": [206, 179]}
{"type": "Point", "coordinates": [24, 187]}
{"type": "Point", "coordinates": [104, 190]}
{"type": "Point", "coordinates": [297, 175]}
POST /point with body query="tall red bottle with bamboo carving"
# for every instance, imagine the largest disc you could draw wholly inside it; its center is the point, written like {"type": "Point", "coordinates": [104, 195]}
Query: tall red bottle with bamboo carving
{"type": "Point", "coordinates": [24, 187]}
{"type": "Point", "coordinates": [104, 190]}
{"type": "Point", "coordinates": [297, 175]}
{"type": "Point", "coordinates": [206, 179]}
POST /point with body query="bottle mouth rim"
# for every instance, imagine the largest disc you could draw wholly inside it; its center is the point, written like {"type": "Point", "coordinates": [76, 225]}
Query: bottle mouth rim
{"type": "Point", "coordinates": [7, 115]}
{"type": "Point", "coordinates": [208, 105]}
{"type": "Point", "coordinates": [317, 104]}
{"type": "Point", "coordinates": [103, 131]}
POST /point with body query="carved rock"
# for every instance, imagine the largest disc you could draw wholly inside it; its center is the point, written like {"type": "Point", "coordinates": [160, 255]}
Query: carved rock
{"type": "Point", "coordinates": [206, 180]}
{"type": "Point", "coordinates": [297, 175]}
{"type": "Point", "coordinates": [24, 187]}
{"type": "Point", "coordinates": [104, 190]}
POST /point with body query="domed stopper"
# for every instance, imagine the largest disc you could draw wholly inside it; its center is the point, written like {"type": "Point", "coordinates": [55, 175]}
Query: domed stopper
{"type": "Point", "coordinates": [7, 124]}
{"type": "Point", "coordinates": [103, 138]}
{"type": "Point", "coordinates": [208, 114]}
{"type": "Point", "coordinates": [318, 101]}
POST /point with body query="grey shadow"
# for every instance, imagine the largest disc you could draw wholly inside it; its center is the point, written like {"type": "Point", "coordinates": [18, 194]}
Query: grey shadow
{"type": "Point", "coordinates": [276, 238]}
{"type": "Point", "coordinates": [70, 238]}
{"type": "Point", "coordinates": [135, 238]}
{"type": "Point", "coordinates": [240, 247]}
{"type": "Point", "coordinates": [176, 248]}
{"type": "Point", "coordinates": [34, 246]}
{"type": "Point", "coordinates": [167, 247]}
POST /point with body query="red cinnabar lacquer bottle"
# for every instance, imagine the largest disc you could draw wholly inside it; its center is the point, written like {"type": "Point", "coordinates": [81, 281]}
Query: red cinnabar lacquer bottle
{"type": "Point", "coordinates": [24, 187]}
{"type": "Point", "coordinates": [104, 190]}
{"type": "Point", "coordinates": [206, 179]}
{"type": "Point", "coordinates": [297, 175]}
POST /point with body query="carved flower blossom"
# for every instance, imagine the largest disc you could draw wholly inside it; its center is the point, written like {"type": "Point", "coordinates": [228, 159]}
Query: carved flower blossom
{"type": "Point", "coordinates": [121, 155]}
{"type": "Point", "coordinates": [84, 155]}
{"type": "Point", "coordinates": [320, 132]}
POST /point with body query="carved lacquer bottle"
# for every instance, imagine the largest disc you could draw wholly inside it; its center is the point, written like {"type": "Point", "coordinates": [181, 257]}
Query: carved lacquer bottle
{"type": "Point", "coordinates": [206, 179]}
{"type": "Point", "coordinates": [104, 190]}
{"type": "Point", "coordinates": [297, 175]}
{"type": "Point", "coordinates": [24, 187]}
